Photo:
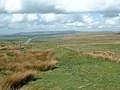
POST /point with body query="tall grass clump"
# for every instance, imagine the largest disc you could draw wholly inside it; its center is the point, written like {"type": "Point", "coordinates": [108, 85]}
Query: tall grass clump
{"type": "Point", "coordinates": [22, 66]}
{"type": "Point", "coordinates": [1, 80]}
{"type": "Point", "coordinates": [34, 60]}
{"type": "Point", "coordinates": [45, 65]}
{"type": "Point", "coordinates": [3, 65]}
{"type": "Point", "coordinates": [18, 79]}
{"type": "Point", "coordinates": [102, 54]}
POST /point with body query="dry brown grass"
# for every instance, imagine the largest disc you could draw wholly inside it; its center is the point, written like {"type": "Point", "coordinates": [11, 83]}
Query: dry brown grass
{"type": "Point", "coordinates": [33, 60]}
{"type": "Point", "coordinates": [2, 56]}
{"type": "Point", "coordinates": [31, 55]}
{"type": "Point", "coordinates": [105, 55]}
{"type": "Point", "coordinates": [44, 65]}
{"type": "Point", "coordinates": [13, 52]}
{"type": "Point", "coordinates": [13, 47]}
{"type": "Point", "coordinates": [23, 63]}
{"type": "Point", "coordinates": [1, 88]}
{"type": "Point", "coordinates": [9, 47]}
{"type": "Point", "coordinates": [19, 67]}
{"type": "Point", "coordinates": [101, 54]}
{"type": "Point", "coordinates": [18, 79]}
{"type": "Point", "coordinates": [38, 65]}
{"type": "Point", "coordinates": [1, 80]}
{"type": "Point", "coordinates": [3, 65]}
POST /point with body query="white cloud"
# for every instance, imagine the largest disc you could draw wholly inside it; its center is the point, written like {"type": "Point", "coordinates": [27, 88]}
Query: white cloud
{"type": "Point", "coordinates": [49, 17]}
{"type": "Point", "coordinates": [18, 17]}
{"type": "Point", "coordinates": [58, 6]}
{"type": "Point", "coordinates": [80, 5]}
{"type": "Point", "coordinates": [112, 21]}
{"type": "Point", "coordinates": [87, 19]}
{"type": "Point", "coordinates": [13, 6]}
{"type": "Point", "coordinates": [2, 3]}
{"type": "Point", "coordinates": [53, 21]}
{"type": "Point", "coordinates": [77, 24]}
{"type": "Point", "coordinates": [88, 5]}
{"type": "Point", "coordinates": [109, 22]}
{"type": "Point", "coordinates": [32, 17]}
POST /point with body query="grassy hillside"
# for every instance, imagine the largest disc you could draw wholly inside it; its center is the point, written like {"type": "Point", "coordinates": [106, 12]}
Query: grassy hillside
{"type": "Point", "coordinates": [83, 61]}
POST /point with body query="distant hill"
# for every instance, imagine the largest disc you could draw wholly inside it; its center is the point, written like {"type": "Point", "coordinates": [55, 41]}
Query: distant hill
{"type": "Point", "coordinates": [40, 34]}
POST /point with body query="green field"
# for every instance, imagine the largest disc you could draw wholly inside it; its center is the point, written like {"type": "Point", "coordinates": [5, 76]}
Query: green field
{"type": "Point", "coordinates": [74, 71]}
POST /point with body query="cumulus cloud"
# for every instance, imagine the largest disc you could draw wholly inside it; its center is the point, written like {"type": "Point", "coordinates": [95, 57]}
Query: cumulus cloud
{"type": "Point", "coordinates": [18, 18]}
{"type": "Point", "coordinates": [58, 6]}
{"type": "Point", "coordinates": [28, 6]}
{"type": "Point", "coordinates": [76, 24]}
{"type": "Point", "coordinates": [13, 6]}
{"type": "Point", "coordinates": [30, 15]}
{"type": "Point", "coordinates": [112, 21]}
{"type": "Point", "coordinates": [87, 19]}
{"type": "Point", "coordinates": [54, 21]}
{"type": "Point", "coordinates": [49, 17]}
{"type": "Point", "coordinates": [111, 14]}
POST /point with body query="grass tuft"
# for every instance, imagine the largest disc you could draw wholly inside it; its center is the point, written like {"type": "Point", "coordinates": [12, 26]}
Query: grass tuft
{"type": "Point", "coordinates": [101, 54]}
{"type": "Point", "coordinates": [3, 65]}
{"type": "Point", "coordinates": [18, 79]}
{"type": "Point", "coordinates": [45, 65]}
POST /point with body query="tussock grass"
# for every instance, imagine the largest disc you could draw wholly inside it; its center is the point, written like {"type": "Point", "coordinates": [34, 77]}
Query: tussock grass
{"type": "Point", "coordinates": [34, 60]}
{"type": "Point", "coordinates": [19, 67]}
{"type": "Point", "coordinates": [3, 65]}
{"type": "Point", "coordinates": [13, 47]}
{"type": "Point", "coordinates": [45, 65]}
{"type": "Point", "coordinates": [13, 52]}
{"type": "Point", "coordinates": [2, 57]}
{"type": "Point", "coordinates": [24, 64]}
{"type": "Point", "coordinates": [1, 88]}
{"type": "Point", "coordinates": [18, 79]}
{"type": "Point", "coordinates": [1, 80]}
{"type": "Point", "coordinates": [38, 65]}
{"type": "Point", "coordinates": [102, 54]}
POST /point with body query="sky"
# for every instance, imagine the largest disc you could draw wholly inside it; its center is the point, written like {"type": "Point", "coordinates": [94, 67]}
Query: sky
{"type": "Point", "coordinates": [59, 15]}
